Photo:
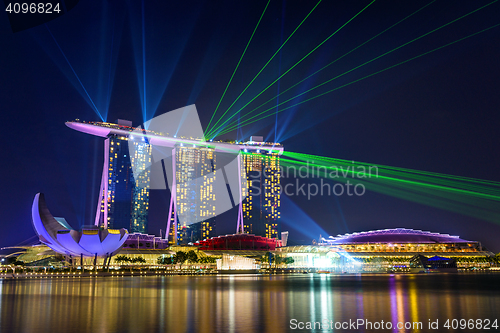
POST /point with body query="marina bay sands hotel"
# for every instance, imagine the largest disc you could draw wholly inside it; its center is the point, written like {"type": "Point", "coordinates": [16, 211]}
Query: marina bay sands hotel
{"type": "Point", "coordinates": [205, 178]}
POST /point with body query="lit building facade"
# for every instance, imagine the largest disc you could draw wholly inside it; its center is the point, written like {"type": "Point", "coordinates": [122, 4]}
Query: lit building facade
{"type": "Point", "coordinates": [232, 262]}
{"type": "Point", "coordinates": [402, 241]}
{"type": "Point", "coordinates": [261, 206]}
{"type": "Point", "coordinates": [196, 231]}
{"type": "Point", "coordinates": [140, 187]}
{"type": "Point", "coordinates": [195, 174]}
{"type": "Point", "coordinates": [124, 199]}
{"type": "Point", "coordinates": [390, 249]}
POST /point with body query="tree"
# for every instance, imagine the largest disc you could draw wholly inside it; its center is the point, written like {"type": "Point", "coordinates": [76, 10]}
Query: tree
{"type": "Point", "coordinates": [180, 257]}
{"type": "Point", "coordinates": [496, 259]}
{"type": "Point", "coordinates": [121, 259]}
{"type": "Point", "coordinates": [138, 260]}
{"type": "Point", "coordinates": [269, 258]}
{"type": "Point", "coordinates": [164, 261]}
{"type": "Point", "coordinates": [277, 260]}
{"type": "Point", "coordinates": [12, 261]}
{"type": "Point", "coordinates": [192, 257]}
{"type": "Point", "coordinates": [288, 260]}
{"type": "Point", "coordinates": [207, 260]}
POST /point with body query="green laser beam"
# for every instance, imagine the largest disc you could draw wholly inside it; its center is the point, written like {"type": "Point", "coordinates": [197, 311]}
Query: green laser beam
{"type": "Point", "coordinates": [247, 121]}
{"type": "Point", "coordinates": [471, 184]}
{"type": "Point", "coordinates": [349, 169]}
{"type": "Point", "coordinates": [378, 57]}
{"type": "Point", "coordinates": [360, 175]}
{"type": "Point", "coordinates": [302, 59]}
{"type": "Point", "coordinates": [321, 69]}
{"type": "Point", "coordinates": [315, 163]}
{"type": "Point", "coordinates": [387, 184]}
{"type": "Point", "coordinates": [275, 53]}
{"type": "Point", "coordinates": [238, 64]}
{"type": "Point", "coordinates": [461, 201]}
{"type": "Point", "coordinates": [303, 156]}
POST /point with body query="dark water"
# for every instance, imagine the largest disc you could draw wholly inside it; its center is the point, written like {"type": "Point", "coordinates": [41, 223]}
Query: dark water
{"type": "Point", "coordinates": [249, 303]}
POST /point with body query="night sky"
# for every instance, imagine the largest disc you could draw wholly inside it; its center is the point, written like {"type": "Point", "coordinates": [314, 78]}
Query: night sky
{"type": "Point", "coordinates": [439, 112]}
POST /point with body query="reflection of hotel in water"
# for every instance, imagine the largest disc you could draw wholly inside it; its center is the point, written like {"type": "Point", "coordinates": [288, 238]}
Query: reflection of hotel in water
{"type": "Point", "coordinates": [239, 303]}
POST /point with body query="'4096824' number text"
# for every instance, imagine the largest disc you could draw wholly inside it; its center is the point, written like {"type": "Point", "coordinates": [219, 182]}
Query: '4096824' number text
{"type": "Point", "coordinates": [478, 324]}
{"type": "Point", "coordinates": [32, 8]}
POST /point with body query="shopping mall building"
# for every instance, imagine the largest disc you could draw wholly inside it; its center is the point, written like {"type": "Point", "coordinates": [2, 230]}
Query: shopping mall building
{"type": "Point", "coordinates": [380, 250]}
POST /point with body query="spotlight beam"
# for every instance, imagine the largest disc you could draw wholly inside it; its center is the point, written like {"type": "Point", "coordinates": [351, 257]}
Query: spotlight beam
{"type": "Point", "coordinates": [247, 121]}
{"type": "Point", "coordinates": [108, 96]}
{"type": "Point", "coordinates": [296, 64]}
{"type": "Point", "coordinates": [238, 64]}
{"type": "Point", "coordinates": [267, 63]}
{"type": "Point", "coordinates": [74, 72]}
{"type": "Point", "coordinates": [143, 30]}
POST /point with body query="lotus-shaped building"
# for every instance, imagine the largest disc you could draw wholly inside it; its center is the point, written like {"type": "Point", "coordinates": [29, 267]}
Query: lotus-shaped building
{"type": "Point", "coordinates": [56, 233]}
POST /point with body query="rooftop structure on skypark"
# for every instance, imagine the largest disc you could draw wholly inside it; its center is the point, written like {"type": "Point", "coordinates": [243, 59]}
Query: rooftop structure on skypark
{"type": "Point", "coordinates": [104, 129]}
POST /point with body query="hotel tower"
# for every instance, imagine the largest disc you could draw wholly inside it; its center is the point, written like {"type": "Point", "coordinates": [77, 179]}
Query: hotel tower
{"type": "Point", "coordinates": [206, 179]}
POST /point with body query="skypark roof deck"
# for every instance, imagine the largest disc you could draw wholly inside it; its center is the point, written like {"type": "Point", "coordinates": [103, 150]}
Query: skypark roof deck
{"type": "Point", "coordinates": [104, 129]}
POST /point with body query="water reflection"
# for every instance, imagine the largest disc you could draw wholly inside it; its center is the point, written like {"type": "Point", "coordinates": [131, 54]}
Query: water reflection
{"type": "Point", "coordinates": [241, 303]}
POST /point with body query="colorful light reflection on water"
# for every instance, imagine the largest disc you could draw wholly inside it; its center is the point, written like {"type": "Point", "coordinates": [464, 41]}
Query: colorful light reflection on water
{"type": "Point", "coordinates": [241, 303]}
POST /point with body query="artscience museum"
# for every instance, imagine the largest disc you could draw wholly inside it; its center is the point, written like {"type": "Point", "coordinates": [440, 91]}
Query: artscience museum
{"type": "Point", "coordinates": [57, 234]}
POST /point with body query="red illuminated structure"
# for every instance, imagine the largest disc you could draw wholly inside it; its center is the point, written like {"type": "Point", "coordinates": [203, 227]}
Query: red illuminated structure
{"type": "Point", "coordinates": [239, 242]}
